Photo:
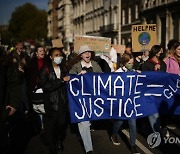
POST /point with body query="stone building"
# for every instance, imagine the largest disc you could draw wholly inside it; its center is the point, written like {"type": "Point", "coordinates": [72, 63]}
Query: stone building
{"type": "Point", "coordinates": [65, 22]}
{"type": "Point", "coordinates": [112, 18]}
{"type": "Point", "coordinates": [164, 13]}
{"type": "Point", "coordinates": [108, 18]}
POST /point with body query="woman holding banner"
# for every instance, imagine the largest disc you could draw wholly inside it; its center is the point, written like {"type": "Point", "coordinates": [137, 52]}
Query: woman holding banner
{"type": "Point", "coordinates": [173, 61]}
{"type": "Point", "coordinates": [155, 64]}
{"type": "Point", "coordinates": [52, 79]}
{"type": "Point", "coordinates": [86, 64]}
{"type": "Point", "coordinates": [173, 66]}
{"type": "Point", "coordinates": [126, 65]}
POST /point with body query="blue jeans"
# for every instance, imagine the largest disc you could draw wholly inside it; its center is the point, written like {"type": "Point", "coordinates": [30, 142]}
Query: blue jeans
{"type": "Point", "coordinates": [84, 130]}
{"type": "Point", "coordinates": [132, 126]}
{"type": "Point", "coordinates": [155, 122]}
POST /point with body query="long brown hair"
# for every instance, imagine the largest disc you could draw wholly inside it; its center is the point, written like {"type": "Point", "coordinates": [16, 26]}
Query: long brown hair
{"type": "Point", "coordinates": [125, 58]}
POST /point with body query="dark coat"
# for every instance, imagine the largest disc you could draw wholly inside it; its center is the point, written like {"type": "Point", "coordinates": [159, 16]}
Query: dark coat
{"type": "Point", "coordinates": [19, 58]}
{"type": "Point", "coordinates": [54, 89]}
{"type": "Point", "coordinates": [34, 74]}
{"type": "Point", "coordinates": [15, 80]}
{"type": "Point", "coordinates": [149, 66]}
{"type": "Point", "coordinates": [2, 84]}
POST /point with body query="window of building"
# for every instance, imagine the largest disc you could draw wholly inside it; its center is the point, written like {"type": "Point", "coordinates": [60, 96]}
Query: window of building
{"type": "Point", "coordinates": [129, 15]}
{"type": "Point", "coordinates": [115, 17]}
{"type": "Point", "coordinates": [123, 17]}
{"type": "Point", "coordinates": [136, 12]}
{"type": "Point", "coordinates": [98, 3]}
{"type": "Point", "coordinates": [123, 41]}
{"type": "Point", "coordinates": [106, 20]}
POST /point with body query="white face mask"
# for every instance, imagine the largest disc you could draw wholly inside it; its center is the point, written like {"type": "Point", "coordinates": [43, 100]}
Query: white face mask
{"type": "Point", "coordinates": [58, 60]}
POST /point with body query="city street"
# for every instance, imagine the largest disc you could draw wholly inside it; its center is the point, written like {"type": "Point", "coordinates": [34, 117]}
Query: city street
{"type": "Point", "coordinates": [102, 143]}
{"type": "Point", "coordinates": [63, 62]}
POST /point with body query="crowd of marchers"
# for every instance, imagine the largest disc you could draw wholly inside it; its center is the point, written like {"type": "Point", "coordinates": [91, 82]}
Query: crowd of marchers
{"type": "Point", "coordinates": [33, 86]}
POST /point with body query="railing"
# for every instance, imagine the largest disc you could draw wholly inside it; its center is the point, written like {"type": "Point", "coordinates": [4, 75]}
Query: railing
{"type": "Point", "coordinates": [110, 27]}
{"type": "Point", "coordinates": [149, 4]}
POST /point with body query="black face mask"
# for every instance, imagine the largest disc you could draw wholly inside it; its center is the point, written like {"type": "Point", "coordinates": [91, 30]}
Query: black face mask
{"type": "Point", "coordinates": [90, 69]}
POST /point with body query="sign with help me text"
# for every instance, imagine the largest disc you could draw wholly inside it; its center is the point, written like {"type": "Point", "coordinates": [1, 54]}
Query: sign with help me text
{"type": "Point", "coordinates": [143, 37]}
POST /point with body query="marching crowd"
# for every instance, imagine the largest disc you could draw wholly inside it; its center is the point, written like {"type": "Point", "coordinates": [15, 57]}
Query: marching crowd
{"type": "Point", "coordinates": [37, 84]}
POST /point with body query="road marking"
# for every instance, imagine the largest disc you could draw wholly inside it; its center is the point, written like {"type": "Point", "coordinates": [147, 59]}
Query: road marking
{"type": "Point", "coordinates": [139, 144]}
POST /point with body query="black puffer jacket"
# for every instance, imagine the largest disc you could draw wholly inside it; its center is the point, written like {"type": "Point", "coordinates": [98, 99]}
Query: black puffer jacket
{"type": "Point", "coordinates": [54, 89]}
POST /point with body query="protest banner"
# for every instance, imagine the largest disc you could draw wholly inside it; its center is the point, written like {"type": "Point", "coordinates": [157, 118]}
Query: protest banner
{"type": "Point", "coordinates": [57, 43]}
{"type": "Point", "coordinates": [95, 96]}
{"type": "Point", "coordinates": [97, 44]}
{"type": "Point", "coordinates": [143, 37]}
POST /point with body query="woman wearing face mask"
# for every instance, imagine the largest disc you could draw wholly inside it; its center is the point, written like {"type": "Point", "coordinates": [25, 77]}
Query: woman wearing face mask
{"type": "Point", "coordinates": [126, 65]}
{"type": "Point", "coordinates": [52, 80]}
{"type": "Point", "coordinates": [127, 62]}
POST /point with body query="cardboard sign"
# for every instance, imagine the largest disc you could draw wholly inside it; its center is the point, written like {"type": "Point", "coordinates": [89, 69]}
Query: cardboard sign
{"type": "Point", "coordinates": [57, 43]}
{"type": "Point", "coordinates": [119, 48]}
{"type": "Point", "coordinates": [143, 37]}
{"type": "Point", "coordinates": [97, 44]}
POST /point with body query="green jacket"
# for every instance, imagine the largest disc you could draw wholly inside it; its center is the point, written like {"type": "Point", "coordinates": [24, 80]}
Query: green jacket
{"type": "Point", "coordinates": [77, 68]}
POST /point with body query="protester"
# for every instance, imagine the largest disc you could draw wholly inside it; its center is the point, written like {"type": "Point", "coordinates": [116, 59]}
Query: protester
{"type": "Point", "coordinates": [137, 60]}
{"type": "Point", "coordinates": [3, 68]}
{"type": "Point", "coordinates": [113, 57]}
{"type": "Point", "coordinates": [170, 46]}
{"type": "Point", "coordinates": [155, 64]}
{"type": "Point", "coordinates": [2, 76]}
{"type": "Point", "coordinates": [173, 66]}
{"type": "Point", "coordinates": [103, 64]}
{"type": "Point", "coordinates": [52, 79]}
{"type": "Point", "coordinates": [19, 60]}
{"type": "Point", "coordinates": [5, 109]}
{"type": "Point", "coordinates": [128, 48]}
{"type": "Point", "coordinates": [126, 65]}
{"type": "Point", "coordinates": [83, 66]}
{"type": "Point", "coordinates": [145, 55]}
{"type": "Point", "coordinates": [36, 96]}
{"type": "Point", "coordinates": [13, 110]}
{"type": "Point", "coordinates": [173, 61]}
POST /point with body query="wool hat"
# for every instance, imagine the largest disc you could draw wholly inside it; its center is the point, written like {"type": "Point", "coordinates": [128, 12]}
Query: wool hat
{"type": "Point", "coordinates": [83, 49]}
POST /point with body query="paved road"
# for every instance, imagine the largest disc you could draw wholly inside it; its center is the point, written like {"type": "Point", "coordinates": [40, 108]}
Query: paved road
{"type": "Point", "coordinates": [102, 143]}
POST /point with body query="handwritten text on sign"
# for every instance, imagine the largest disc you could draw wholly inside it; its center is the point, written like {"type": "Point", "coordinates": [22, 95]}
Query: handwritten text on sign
{"type": "Point", "coordinates": [97, 44]}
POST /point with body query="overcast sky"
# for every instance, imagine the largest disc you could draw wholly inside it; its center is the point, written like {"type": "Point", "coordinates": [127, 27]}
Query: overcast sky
{"type": "Point", "coordinates": [8, 6]}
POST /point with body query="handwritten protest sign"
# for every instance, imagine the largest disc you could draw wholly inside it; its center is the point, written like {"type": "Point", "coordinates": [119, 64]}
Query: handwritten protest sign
{"type": "Point", "coordinates": [143, 37]}
{"type": "Point", "coordinates": [57, 43]}
{"type": "Point", "coordinates": [119, 48]}
{"type": "Point", "coordinates": [95, 96]}
{"type": "Point", "coordinates": [97, 44]}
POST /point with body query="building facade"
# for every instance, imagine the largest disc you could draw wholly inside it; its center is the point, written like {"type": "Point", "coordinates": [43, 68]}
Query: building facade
{"type": "Point", "coordinates": [164, 13]}
{"type": "Point", "coordinates": [52, 19]}
{"type": "Point", "coordinates": [130, 15]}
{"type": "Point", "coordinates": [107, 18]}
{"type": "Point", "coordinates": [112, 18]}
{"type": "Point", "coordinates": [65, 22]}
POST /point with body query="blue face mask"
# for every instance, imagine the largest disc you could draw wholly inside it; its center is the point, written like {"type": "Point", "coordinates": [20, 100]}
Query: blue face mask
{"type": "Point", "coordinates": [58, 60]}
